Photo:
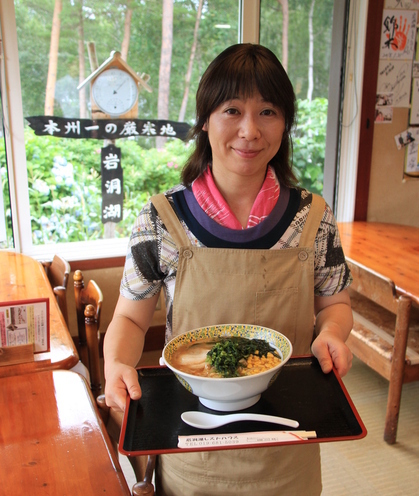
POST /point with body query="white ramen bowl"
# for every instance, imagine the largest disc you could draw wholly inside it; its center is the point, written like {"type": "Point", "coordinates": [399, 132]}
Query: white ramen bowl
{"type": "Point", "coordinates": [232, 393]}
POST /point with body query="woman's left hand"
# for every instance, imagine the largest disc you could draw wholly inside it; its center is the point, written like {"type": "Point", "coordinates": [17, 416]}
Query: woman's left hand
{"type": "Point", "coordinates": [330, 350]}
{"type": "Point", "coordinates": [333, 325]}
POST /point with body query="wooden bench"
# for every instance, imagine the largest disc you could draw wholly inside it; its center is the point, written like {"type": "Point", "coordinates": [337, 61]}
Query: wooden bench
{"type": "Point", "coordinates": [385, 335]}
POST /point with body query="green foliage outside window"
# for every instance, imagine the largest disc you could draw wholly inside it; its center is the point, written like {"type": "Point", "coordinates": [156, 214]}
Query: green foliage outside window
{"type": "Point", "coordinates": [64, 174]}
{"type": "Point", "coordinates": [65, 193]}
{"type": "Point", "coordinates": [310, 143]}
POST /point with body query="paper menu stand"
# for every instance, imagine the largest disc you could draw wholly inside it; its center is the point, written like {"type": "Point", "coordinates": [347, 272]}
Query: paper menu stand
{"type": "Point", "coordinates": [24, 330]}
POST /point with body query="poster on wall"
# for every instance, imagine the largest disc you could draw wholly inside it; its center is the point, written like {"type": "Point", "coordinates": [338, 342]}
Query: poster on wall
{"type": "Point", "coordinates": [402, 4]}
{"type": "Point", "coordinates": [384, 107]}
{"type": "Point", "coordinates": [414, 110]}
{"type": "Point", "coordinates": [411, 168]}
{"type": "Point", "coordinates": [398, 77]}
{"type": "Point", "coordinates": [403, 139]}
{"type": "Point", "coordinates": [398, 34]}
{"type": "Point", "coordinates": [395, 76]}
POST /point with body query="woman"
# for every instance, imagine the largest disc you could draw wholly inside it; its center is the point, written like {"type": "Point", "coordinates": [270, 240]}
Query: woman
{"type": "Point", "coordinates": [236, 242]}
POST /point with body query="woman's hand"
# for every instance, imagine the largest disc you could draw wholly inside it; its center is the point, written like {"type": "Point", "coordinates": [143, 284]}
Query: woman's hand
{"type": "Point", "coordinates": [330, 350]}
{"type": "Point", "coordinates": [333, 324]}
{"type": "Point", "coordinates": [123, 346]}
{"type": "Point", "coordinates": [121, 381]}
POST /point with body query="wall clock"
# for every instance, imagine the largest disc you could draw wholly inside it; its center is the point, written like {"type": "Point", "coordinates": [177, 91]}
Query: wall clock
{"type": "Point", "coordinates": [115, 91]}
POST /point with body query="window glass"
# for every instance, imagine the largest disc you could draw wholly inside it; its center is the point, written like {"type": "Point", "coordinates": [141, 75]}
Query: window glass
{"type": "Point", "coordinates": [299, 32]}
{"type": "Point", "coordinates": [60, 45]}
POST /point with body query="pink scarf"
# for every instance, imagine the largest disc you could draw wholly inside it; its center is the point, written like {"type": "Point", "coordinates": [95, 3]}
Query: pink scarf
{"type": "Point", "coordinates": [213, 204]}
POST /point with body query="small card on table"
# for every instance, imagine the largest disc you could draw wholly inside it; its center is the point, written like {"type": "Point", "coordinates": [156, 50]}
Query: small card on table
{"type": "Point", "coordinates": [24, 322]}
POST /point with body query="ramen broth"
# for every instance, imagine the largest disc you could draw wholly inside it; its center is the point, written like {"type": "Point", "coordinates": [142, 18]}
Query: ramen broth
{"type": "Point", "coordinates": [191, 358]}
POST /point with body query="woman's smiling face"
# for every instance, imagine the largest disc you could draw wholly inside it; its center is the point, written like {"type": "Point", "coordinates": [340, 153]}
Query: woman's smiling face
{"type": "Point", "coordinates": [244, 134]}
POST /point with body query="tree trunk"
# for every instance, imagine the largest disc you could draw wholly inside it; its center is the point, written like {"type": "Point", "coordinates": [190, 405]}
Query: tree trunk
{"type": "Point", "coordinates": [310, 52]}
{"type": "Point", "coordinates": [190, 65]}
{"type": "Point", "coordinates": [82, 66]}
{"type": "Point", "coordinates": [91, 49]}
{"type": "Point", "coordinates": [127, 32]}
{"type": "Point", "coordinates": [285, 21]}
{"type": "Point", "coordinates": [165, 65]}
{"type": "Point", "coordinates": [53, 59]}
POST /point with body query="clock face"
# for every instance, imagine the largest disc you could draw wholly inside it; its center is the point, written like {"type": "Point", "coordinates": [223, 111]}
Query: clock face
{"type": "Point", "coordinates": [115, 91]}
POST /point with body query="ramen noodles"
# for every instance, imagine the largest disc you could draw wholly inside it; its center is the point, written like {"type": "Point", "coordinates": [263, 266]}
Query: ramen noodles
{"type": "Point", "coordinates": [225, 357]}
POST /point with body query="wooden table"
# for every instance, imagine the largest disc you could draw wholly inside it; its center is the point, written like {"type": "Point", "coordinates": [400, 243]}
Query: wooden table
{"type": "Point", "coordinates": [389, 249]}
{"type": "Point", "coordinates": [22, 278]}
{"type": "Point", "coordinates": [52, 439]}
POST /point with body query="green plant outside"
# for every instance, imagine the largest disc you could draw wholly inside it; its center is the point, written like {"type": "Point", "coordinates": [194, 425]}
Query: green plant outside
{"type": "Point", "coordinates": [309, 143]}
{"type": "Point", "coordinates": [65, 184]}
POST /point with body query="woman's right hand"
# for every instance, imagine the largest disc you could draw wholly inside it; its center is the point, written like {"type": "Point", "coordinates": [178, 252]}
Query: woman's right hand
{"type": "Point", "coordinates": [122, 349]}
{"type": "Point", "coordinates": [121, 380]}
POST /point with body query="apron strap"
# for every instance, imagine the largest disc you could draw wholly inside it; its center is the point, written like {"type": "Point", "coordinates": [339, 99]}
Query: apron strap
{"type": "Point", "coordinates": [170, 220]}
{"type": "Point", "coordinates": [315, 215]}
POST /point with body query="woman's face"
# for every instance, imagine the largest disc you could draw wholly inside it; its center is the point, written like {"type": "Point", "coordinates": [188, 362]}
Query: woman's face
{"type": "Point", "coordinates": [244, 134]}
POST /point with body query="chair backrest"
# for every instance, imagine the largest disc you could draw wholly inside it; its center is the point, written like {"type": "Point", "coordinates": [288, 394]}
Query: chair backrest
{"type": "Point", "coordinates": [89, 299]}
{"type": "Point", "coordinates": [58, 272]}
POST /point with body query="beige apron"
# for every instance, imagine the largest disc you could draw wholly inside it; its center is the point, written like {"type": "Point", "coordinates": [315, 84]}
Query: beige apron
{"type": "Point", "coordinates": [272, 288]}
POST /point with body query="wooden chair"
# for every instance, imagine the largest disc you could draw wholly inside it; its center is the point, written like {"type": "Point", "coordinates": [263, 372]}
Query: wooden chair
{"type": "Point", "coordinates": [58, 271]}
{"type": "Point", "coordinates": [89, 301]}
{"type": "Point", "coordinates": [380, 336]}
{"type": "Point", "coordinates": [143, 466]}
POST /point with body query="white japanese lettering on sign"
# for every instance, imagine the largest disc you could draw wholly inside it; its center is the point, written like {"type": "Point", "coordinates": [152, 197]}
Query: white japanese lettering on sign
{"type": "Point", "coordinates": [130, 129]}
{"type": "Point", "coordinates": [149, 129]}
{"type": "Point", "coordinates": [111, 161]}
{"type": "Point", "coordinates": [111, 128]}
{"type": "Point", "coordinates": [72, 127]}
{"type": "Point", "coordinates": [112, 212]}
{"type": "Point", "coordinates": [167, 130]}
{"type": "Point", "coordinates": [51, 127]}
{"type": "Point", "coordinates": [113, 186]}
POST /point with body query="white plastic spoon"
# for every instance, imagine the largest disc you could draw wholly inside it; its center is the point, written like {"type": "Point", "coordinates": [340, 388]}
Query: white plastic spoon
{"type": "Point", "coordinates": [203, 420]}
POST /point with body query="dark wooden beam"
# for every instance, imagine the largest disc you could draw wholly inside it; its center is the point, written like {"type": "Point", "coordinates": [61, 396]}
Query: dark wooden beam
{"type": "Point", "coordinates": [369, 90]}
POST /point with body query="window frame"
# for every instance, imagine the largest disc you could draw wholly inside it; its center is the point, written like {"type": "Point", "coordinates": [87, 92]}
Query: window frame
{"type": "Point", "coordinates": [14, 129]}
{"type": "Point", "coordinates": [115, 248]}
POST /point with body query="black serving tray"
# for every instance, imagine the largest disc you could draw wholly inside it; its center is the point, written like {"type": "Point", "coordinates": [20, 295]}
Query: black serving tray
{"type": "Point", "coordinates": [318, 401]}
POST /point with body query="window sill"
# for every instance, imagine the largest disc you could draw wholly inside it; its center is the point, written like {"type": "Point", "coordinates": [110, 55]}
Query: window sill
{"type": "Point", "coordinates": [103, 252]}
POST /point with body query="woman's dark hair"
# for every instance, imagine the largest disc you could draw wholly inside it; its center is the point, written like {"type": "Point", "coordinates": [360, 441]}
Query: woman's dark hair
{"type": "Point", "coordinates": [242, 69]}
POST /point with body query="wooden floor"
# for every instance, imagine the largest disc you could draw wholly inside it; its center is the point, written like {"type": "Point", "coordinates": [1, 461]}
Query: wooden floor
{"type": "Point", "coordinates": [369, 466]}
